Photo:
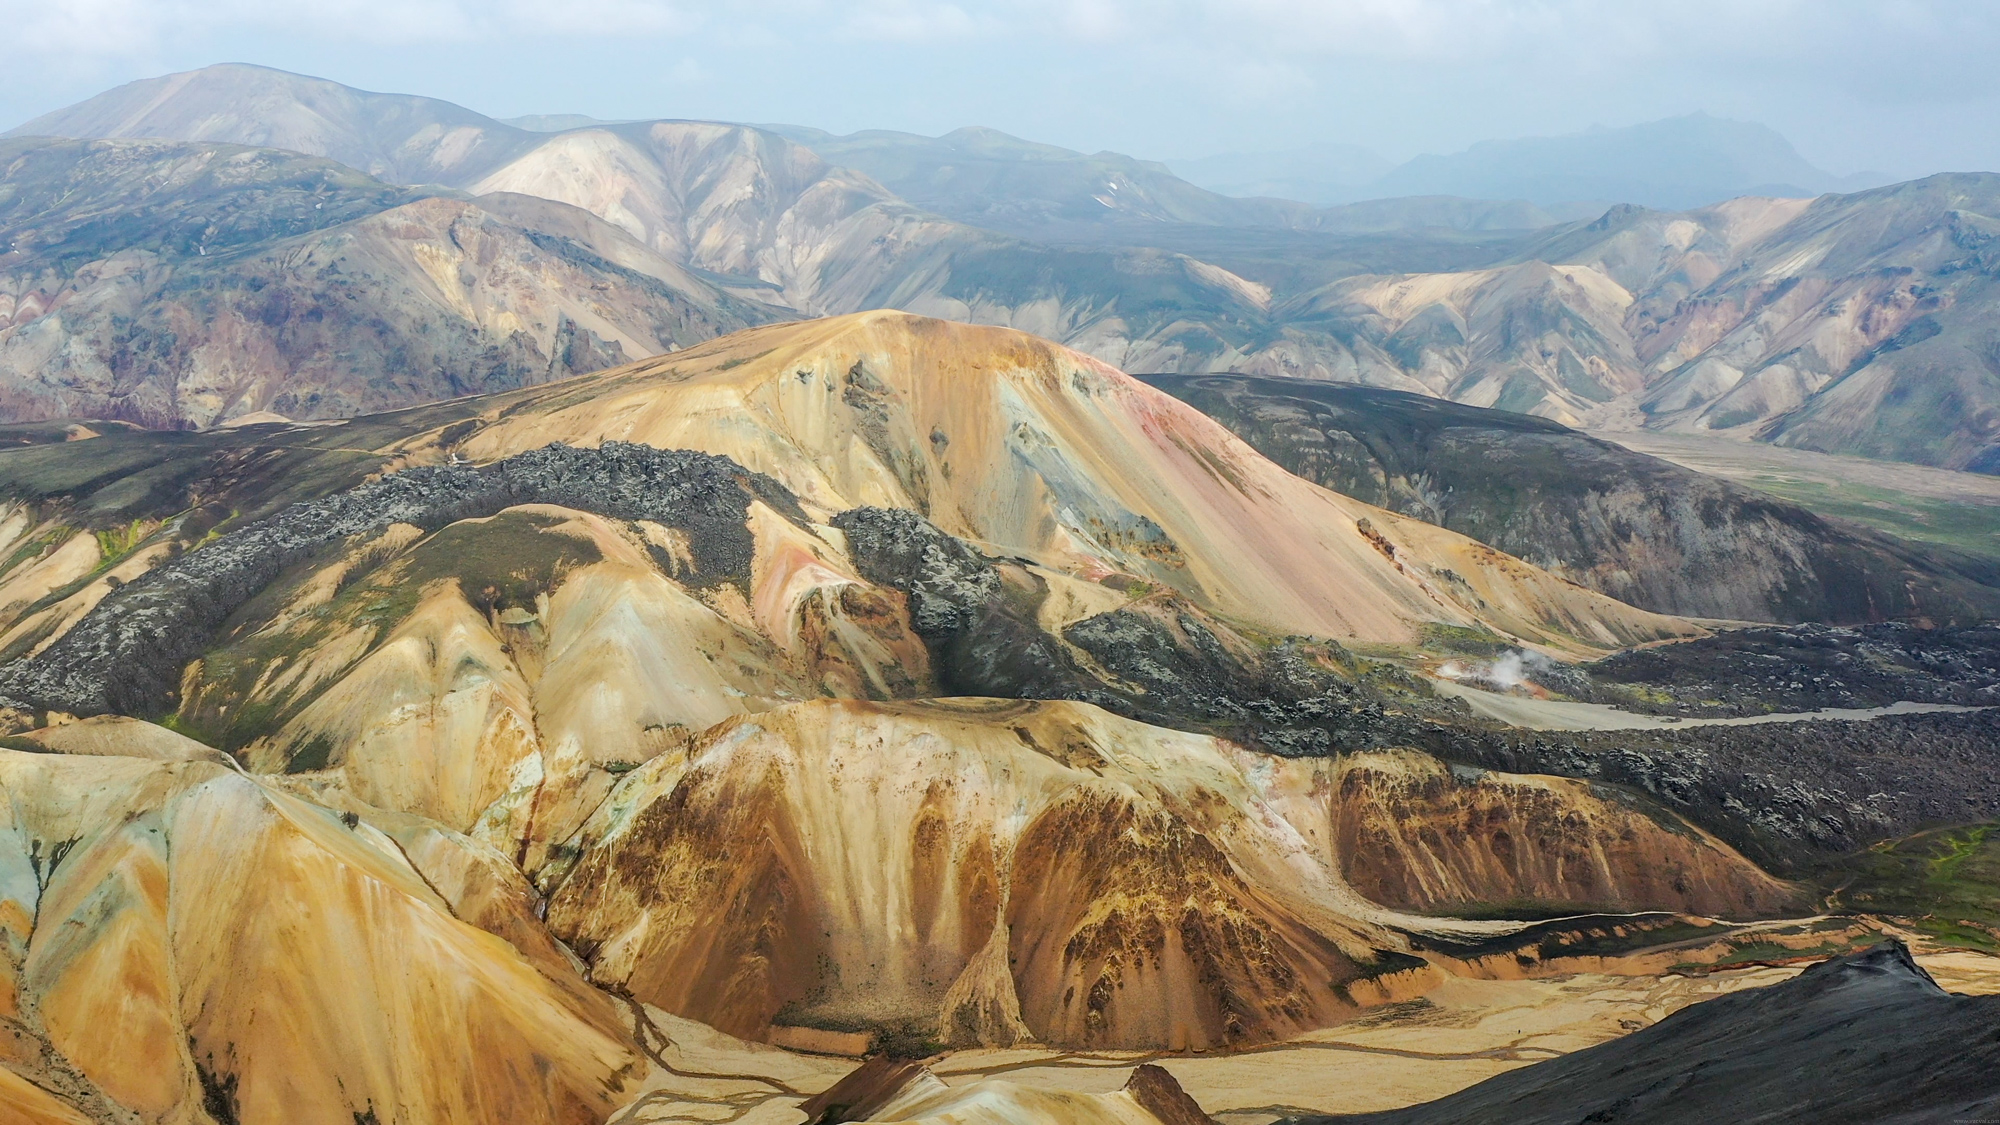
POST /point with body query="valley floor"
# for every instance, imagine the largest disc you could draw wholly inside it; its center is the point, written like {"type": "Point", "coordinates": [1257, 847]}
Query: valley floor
{"type": "Point", "coordinates": [1917, 502]}
{"type": "Point", "coordinates": [1561, 714]}
{"type": "Point", "coordinates": [1463, 1032]}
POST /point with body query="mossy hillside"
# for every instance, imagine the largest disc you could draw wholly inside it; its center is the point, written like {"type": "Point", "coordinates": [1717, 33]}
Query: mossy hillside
{"type": "Point", "coordinates": [242, 474]}
{"type": "Point", "coordinates": [36, 547]}
{"type": "Point", "coordinates": [1946, 882]}
{"type": "Point", "coordinates": [1462, 640]}
{"type": "Point", "coordinates": [504, 562]}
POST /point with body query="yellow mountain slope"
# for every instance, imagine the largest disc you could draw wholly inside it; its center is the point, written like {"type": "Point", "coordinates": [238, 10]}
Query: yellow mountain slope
{"type": "Point", "coordinates": [188, 943]}
{"type": "Point", "coordinates": [1034, 449]}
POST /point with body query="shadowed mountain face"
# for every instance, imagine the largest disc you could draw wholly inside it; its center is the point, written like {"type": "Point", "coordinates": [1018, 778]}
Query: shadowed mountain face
{"type": "Point", "coordinates": [1864, 1038]}
{"type": "Point", "coordinates": [1637, 528]}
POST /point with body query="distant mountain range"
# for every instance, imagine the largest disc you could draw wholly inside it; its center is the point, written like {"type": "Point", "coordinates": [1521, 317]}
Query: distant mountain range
{"type": "Point", "coordinates": [1856, 323]}
{"type": "Point", "coordinates": [1322, 174]}
{"type": "Point", "coordinates": [1674, 164]}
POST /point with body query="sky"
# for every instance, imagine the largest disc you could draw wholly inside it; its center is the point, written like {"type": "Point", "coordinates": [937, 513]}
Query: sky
{"type": "Point", "coordinates": [1902, 87]}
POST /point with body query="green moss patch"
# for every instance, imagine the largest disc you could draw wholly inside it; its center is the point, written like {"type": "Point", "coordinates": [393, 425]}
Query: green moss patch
{"type": "Point", "coordinates": [1946, 882]}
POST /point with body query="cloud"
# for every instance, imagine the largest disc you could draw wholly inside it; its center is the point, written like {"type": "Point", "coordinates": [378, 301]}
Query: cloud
{"type": "Point", "coordinates": [1851, 77]}
{"type": "Point", "coordinates": [97, 28]}
{"type": "Point", "coordinates": [909, 21]}
{"type": "Point", "coordinates": [1435, 31]}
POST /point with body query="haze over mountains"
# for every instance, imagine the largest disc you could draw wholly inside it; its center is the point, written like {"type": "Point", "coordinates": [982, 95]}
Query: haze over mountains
{"type": "Point", "coordinates": [1659, 319]}
{"type": "Point", "coordinates": [1675, 164]}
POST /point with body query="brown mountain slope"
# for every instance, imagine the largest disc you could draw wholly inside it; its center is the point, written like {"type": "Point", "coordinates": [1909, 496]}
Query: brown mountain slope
{"type": "Point", "coordinates": [1531, 338]}
{"type": "Point", "coordinates": [987, 870]}
{"type": "Point", "coordinates": [176, 284]}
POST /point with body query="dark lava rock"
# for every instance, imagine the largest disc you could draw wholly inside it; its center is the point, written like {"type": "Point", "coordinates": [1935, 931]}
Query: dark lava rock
{"type": "Point", "coordinates": [1166, 664]}
{"type": "Point", "coordinates": [1866, 1039]}
{"type": "Point", "coordinates": [1786, 794]}
{"type": "Point", "coordinates": [1801, 668]}
{"type": "Point", "coordinates": [981, 633]}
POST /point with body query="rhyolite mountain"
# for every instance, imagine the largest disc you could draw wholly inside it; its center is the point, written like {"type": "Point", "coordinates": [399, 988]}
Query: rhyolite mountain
{"type": "Point", "coordinates": [565, 701]}
{"type": "Point", "coordinates": [1847, 323]}
{"type": "Point", "coordinates": [1853, 324]}
{"type": "Point", "coordinates": [870, 677]}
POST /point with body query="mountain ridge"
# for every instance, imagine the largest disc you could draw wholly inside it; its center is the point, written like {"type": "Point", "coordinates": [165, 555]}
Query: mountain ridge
{"type": "Point", "coordinates": [1638, 318]}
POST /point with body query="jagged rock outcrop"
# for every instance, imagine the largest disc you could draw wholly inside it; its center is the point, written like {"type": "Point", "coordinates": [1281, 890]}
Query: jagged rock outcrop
{"type": "Point", "coordinates": [1801, 668]}
{"type": "Point", "coordinates": [1158, 658]}
{"type": "Point", "coordinates": [1789, 794]}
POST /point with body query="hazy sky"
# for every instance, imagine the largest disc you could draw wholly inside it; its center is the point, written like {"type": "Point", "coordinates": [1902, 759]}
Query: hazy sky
{"type": "Point", "coordinates": [1900, 86]}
